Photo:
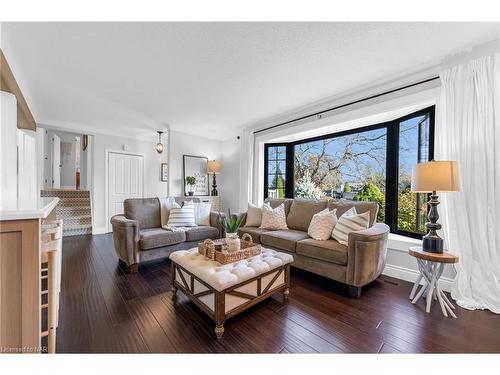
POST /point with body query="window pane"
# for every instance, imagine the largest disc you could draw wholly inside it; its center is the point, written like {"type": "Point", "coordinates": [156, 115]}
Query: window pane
{"type": "Point", "coordinates": [351, 167]}
{"type": "Point", "coordinates": [276, 181]}
{"type": "Point", "coordinates": [276, 153]}
{"type": "Point", "coordinates": [271, 151]}
{"type": "Point", "coordinates": [413, 149]}
{"type": "Point", "coordinates": [281, 167]}
{"type": "Point", "coordinates": [271, 167]}
{"type": "Point", "coordinates": [276, 171]}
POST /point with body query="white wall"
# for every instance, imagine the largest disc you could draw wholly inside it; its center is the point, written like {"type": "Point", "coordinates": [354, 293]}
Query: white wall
{"type": "Point", "coordinates": [185, 144]}
{"type": "Point", "coordinates": [229, 181]}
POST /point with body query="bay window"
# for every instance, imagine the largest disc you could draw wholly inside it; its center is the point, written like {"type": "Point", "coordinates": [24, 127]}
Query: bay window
{"type": "Point", "coordinates": [372, 163]}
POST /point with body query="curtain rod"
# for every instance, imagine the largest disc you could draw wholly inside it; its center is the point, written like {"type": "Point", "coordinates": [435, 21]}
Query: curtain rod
{"type": "Point", "coordinates": [347, 104]}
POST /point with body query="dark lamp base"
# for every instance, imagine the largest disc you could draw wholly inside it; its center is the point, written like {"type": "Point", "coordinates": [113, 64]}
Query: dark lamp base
{"type": "Point", "coordinates": [432, 244]}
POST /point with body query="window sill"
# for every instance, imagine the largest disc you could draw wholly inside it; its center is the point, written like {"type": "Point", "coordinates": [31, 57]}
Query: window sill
{"type": "Point", "coordinates": [401, 243]}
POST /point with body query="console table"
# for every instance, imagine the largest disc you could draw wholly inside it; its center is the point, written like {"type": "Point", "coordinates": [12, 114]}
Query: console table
{"type": "Point", "coordinates": [431, 267]}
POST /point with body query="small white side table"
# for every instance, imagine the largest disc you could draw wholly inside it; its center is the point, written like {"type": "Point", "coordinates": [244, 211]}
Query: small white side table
{"type": "Point", "coordinates": [431, 267]}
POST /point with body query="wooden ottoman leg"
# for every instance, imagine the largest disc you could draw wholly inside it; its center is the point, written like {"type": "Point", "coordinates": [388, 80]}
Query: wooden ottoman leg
{"type": "Point", "coordinates": [174, 293]}
{"type": "Point", "coordinates": [174, 287]}
{"type": "Point", "coordinates": [286, 293]}
{"type": "Point", "coordinates": [220, 314]}
{"type": "Point", "coordinates": [219, 330]}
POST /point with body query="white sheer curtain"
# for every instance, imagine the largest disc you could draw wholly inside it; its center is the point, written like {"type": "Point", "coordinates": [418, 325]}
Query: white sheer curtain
{"type": "Point", "coordinates": [246, 169]}
{"type": "Point", "coordinates": [468, 130]}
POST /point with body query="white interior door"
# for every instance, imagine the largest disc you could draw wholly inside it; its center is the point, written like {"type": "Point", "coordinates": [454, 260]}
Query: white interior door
{"type": "Point", "coordinates": [56, 162]}
{"type": "Point", "coordinates": [125, 180]}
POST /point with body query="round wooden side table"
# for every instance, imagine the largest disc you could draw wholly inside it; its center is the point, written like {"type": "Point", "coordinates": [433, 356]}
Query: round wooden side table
{"type": "Point", "coordinates": [431, 267]}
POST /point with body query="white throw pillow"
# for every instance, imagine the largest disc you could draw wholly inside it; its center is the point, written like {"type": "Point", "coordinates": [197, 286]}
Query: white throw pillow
{"type": "Point", "coordinates": [202, 213]}
{"type": "Point", "coordinates": [182, 217]}
{"type": "Point", "coordinates": [273, 219]}
{"type": "Point", "coordinates": [350, 223]}
{"type": "Point", "coordinates": [322, 224]}
{"type": "Point", "coordinates": [254, 215]}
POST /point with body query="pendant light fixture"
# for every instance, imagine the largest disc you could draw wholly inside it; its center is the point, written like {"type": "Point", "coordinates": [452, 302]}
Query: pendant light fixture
{"type": "Point", "coordinates": [159, 145]}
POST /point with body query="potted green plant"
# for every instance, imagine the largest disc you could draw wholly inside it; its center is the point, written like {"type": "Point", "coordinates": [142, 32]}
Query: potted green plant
{"type": "Point", "coordinates": [230, 224]}
{"type": "Point", "coordinates": [190, 182]}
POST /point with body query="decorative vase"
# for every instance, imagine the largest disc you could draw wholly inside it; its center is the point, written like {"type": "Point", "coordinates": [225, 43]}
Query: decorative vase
{"type": "Point", "coordinates": [233, 242]}
{"type": "Point", "coordinates": [190, 193]}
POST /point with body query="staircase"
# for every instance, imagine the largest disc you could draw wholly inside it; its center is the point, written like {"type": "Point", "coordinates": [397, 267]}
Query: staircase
{"type": "Point", "coordinates": [74, 209]}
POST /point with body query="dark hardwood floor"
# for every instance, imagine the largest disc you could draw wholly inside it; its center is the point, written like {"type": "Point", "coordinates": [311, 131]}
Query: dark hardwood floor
{"type": "Point", "coordinates": [104, 310]}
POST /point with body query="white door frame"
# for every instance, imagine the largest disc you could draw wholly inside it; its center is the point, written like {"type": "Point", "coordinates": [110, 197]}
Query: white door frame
{"type": "Point", "coordinates": [106, 182]}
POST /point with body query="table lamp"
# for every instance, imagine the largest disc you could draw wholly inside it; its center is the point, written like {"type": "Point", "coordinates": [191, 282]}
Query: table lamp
{"type": "Point", "coordinates": [431, 177]}
{"type": "Point", "coordinates": [214, 167]}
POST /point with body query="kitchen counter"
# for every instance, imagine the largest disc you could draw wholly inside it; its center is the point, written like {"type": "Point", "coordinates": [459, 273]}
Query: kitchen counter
{"type": "Point", "coordinates": [44, 207]}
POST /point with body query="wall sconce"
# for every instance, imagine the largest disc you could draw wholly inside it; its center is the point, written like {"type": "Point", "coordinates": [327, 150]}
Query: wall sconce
{"type": "Point", "coordinates": [159, 145]}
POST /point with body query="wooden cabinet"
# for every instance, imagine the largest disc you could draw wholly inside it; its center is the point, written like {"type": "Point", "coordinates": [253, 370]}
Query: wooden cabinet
{"type": "Point", "coordinates": [20, 277]}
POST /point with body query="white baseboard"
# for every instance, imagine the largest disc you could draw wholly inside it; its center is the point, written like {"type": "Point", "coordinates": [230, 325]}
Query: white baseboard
{"type": "Point", "coordinates": [102, 230]}
{"type": "Point", "coordinates": [411, 275]}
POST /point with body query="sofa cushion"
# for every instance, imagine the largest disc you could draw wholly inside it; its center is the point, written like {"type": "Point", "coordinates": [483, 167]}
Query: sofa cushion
{"type": "Point", "coordinates": [343, 205]}
{"type": "Point", "coordinates": [201, 233]}
{"type": "Point", "coordinates": [255, 232]}
{"type": "Point", "coordinates": [145, 210]}
{"type": "Point", "coordinates": [283, 239]}
{"type": "Point", "coordinates": [302, 211]}
{"type": "Point", "coordinates": [329, 251]}
{"type": "Point", "coordinates": [158, 237]}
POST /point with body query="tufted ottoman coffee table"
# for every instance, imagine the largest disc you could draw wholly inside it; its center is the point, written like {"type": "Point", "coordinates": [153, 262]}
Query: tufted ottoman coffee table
{"type": "Point", "coordinates": [223, 291]}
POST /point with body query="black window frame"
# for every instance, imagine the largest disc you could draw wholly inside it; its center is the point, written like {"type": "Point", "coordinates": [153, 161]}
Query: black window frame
{"type": "Point", "coordinates": [288, 168]}
{"type": "Point", "coordinates": [392, 162]}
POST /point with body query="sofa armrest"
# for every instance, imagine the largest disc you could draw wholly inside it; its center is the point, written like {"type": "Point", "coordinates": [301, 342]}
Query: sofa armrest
{"type": "Point", "coordinates": [366, 254]}
{"type": "Point", "coordinates": [126, 239]}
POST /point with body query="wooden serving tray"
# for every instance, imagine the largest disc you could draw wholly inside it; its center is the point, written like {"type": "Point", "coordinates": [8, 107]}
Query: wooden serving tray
{"type": "Point", "coordinates": [215, 250]}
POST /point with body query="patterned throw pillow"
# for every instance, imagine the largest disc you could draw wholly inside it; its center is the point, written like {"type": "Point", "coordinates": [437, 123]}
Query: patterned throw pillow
{"type": "Point", "coordinates": [182, 217]}
{"type": "Point", "coordinates": [273, 219]}
{"type": "Point", "coordinates": [322, 224]}
{"type": "Point", "coordinates": [350, 223]}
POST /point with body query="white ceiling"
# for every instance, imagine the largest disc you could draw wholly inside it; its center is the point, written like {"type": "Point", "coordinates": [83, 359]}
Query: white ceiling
{"type": "Point", "coordinates": [210, 78]}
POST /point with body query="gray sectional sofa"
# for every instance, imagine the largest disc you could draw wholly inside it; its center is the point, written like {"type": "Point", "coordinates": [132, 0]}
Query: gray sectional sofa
{"type": "Point", "coordinates": [138, 235]}
{"type": "Point", "coordinates": [357, 264]}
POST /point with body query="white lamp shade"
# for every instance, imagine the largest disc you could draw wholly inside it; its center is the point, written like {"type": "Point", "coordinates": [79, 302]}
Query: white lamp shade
{"type": "Point", "coordinates": [435, 176]}
{"type": "Point", "coordinates": [214, 166]}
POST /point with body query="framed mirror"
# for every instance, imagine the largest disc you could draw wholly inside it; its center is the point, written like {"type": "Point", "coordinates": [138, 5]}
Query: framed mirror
{"type": "Point", "coordinates": [195, 166]}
